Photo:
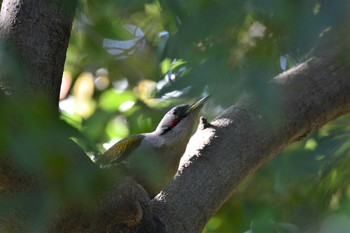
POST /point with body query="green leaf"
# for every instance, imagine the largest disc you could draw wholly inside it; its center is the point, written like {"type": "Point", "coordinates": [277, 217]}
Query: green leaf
{"type": "Point", "coordinates": [262, 226]}
{"type": "Point", "coordinates": [117, 128]}
{"type": "Point", "coordinates": [111, 100]}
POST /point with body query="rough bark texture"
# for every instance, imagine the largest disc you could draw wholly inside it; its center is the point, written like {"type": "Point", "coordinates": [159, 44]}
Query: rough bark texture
{"type": "Point", "coordinates": [36, 32]}
{"type": "Point", "coordinates": [245, 136]}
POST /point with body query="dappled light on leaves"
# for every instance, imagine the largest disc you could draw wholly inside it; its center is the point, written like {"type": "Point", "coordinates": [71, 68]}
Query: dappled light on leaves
{"type": "Point", "coordinates": [112, 100]}
{"type": "Point", "coordinates": [117, 128]}
{"type": "Point", "coordinates": [129, 62]}
{"type": "Point", "coordinates": [162, 53]}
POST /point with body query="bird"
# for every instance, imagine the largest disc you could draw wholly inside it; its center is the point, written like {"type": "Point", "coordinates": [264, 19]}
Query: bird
{"type": "Point", "coordinates": [152, 159]}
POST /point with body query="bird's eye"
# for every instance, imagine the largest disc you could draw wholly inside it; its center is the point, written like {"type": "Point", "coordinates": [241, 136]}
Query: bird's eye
{"type": "Point", "coordinates": [175, 112]}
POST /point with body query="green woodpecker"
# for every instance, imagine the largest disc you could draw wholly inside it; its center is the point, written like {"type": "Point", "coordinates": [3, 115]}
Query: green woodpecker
{"type": "Point", "coordinates": [152, 159]}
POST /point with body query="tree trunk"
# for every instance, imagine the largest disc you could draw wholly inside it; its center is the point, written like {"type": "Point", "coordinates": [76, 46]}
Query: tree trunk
{"type": "Point", "coordinates": [219, 156]}
{"type": "Point", "coordinates": [36, 34]}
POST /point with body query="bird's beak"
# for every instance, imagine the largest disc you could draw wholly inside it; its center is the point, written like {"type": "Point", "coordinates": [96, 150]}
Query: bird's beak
{"type": "Point", "coordinates": [198, 105]}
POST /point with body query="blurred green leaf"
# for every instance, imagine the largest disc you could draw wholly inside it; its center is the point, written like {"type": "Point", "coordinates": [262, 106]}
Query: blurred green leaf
{"type": "Point", "coordinates": [111, 100]}
{"type": "Point", "coordinates": [226, 48]}
{"type": "Point", "coordinates": [262, 226]}
{"type": "Point", "coordinates": [310, 144]}
{"type": "Point", "coordinates": [117, 128]}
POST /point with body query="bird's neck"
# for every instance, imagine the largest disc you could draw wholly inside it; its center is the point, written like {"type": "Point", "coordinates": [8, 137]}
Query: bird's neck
{"type": "Point", "coordinates": [156, 140]}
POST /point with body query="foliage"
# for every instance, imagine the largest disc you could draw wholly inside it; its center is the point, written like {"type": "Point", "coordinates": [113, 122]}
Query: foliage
{"type": "Point", "coordinates": [177, 50]}
{"type": "Point", "coordinates": [306, 186]}
{"type": "Point", "coordinates": [129, 61]}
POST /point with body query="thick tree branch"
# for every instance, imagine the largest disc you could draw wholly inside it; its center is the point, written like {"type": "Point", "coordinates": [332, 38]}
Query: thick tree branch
{"type": "Point", "coordinates": [34, 37]}
{"type": "Point", "coordinates": [36, 33]}
{"type": "Point", "coordinates": [219, 157]}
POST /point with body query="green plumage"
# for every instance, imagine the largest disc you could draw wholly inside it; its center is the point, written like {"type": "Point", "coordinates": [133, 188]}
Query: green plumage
{"type": "Point", "coordinates": [119, 151]}
{"type": "Point", "coordinates": [151, 159]}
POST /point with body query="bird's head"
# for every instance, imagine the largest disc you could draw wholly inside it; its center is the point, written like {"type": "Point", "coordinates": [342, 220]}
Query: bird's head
{"type": "Point", "coordinates": [178, 123]}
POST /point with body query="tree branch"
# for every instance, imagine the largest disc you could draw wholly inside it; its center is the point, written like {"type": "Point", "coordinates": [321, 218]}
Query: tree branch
{"type": "Point", "coordinates": [36, 33]}
{"type": "Point", "coordinates": [303, 99]}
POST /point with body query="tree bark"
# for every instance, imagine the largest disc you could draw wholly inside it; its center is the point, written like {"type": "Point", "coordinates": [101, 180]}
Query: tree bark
{"type": "Point", "coordinates": [36, 34]}
{"type": "Point", "coordinates": [220, 155]}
